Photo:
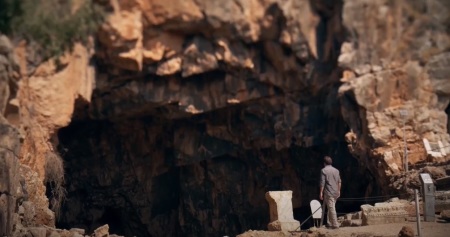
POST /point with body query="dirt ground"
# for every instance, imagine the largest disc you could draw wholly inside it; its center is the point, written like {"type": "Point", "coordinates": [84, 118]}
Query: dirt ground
{"type": "Point", "coordinates": [429, 229]}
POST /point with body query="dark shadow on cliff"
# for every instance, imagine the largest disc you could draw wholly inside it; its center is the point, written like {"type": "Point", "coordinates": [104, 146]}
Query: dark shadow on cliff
{"type": "Point", "coordinates": [126, 175]}
{"type": "Point", "coordinates": [447, 111]}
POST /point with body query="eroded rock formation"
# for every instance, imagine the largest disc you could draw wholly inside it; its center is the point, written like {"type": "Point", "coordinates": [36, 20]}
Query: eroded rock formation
{"type": "Point", "coordinates": [199, 110]}
{"type": "Point", "coordinates": [11, 182]}
{"type": "Point", "coordinates": [186, 113]}
{"type": "Point", "coordinates": [396, 61]}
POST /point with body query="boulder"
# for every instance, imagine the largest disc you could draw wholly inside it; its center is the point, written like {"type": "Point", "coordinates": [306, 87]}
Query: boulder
{"type": "Point", "coordinates": [445, 214]}
{"type": "Point", "coordinates": [406, 231]}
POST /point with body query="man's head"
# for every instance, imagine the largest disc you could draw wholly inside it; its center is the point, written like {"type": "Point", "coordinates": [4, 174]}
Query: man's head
{"type": "Point", "coordinates": [327, 160]}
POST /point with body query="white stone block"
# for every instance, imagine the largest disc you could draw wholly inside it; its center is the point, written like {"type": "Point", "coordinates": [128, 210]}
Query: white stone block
{"type": "Point", "coordinates": [442, 149]}
{"type": "Point", "coordinates": [281, 212]}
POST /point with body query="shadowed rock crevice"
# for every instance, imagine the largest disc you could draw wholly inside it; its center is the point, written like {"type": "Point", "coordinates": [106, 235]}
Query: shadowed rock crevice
{"type": "Point", "coordinates": [155, 173]}
{"type": "Point", "coordinates": [447, 111]}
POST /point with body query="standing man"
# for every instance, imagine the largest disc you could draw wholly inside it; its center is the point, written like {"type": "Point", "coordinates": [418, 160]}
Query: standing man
{"type": "Point", "coordinates": [330, 188]}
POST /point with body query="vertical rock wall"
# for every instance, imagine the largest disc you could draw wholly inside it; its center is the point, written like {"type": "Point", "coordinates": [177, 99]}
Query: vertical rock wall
{"type": "Point", "coordinates": [11, 181]}
{"type": "Point", "coordinates": [196, 108]}
{"type": "Point", "coordinates": [395, 59]}
{"type": "Point", "coordinates": [10, 186]}
{"type": "Point", "coordinates": [132, 175]}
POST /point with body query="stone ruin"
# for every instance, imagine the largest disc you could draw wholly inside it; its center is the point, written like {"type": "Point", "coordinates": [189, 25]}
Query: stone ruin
{"type": "Point", "coordinates": [281, 212]}
{"type": "Point", "coordinates": [393, 211]}
{"type": "Point", "coordinates": [384, 213]}
{"type": "Point", "coordinates": [434, 150]}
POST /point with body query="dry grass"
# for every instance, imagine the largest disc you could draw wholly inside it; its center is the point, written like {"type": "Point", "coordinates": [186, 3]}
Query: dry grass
{"type": "Point", "coordinates": [54, 178]}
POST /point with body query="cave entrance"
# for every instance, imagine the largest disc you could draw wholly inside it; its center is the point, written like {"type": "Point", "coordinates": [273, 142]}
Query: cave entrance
{"type": "Point", "coordinates": [126, 174]}
{"type": "Point", "coordinates": [357, 182]}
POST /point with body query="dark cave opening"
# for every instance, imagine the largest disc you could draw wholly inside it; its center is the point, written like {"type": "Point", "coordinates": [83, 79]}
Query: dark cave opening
{"type": "Point", "coordinates": [126, 174]}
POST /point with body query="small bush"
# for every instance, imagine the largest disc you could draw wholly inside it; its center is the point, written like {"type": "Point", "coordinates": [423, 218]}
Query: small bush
{"type": "Point", "coordinates": [54, 179]}
{"type": "Point", "coordinates": [53, 24]}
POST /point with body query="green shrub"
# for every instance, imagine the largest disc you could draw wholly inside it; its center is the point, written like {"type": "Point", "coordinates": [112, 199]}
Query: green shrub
{"type": "Point", "coordinates": [52, 24]}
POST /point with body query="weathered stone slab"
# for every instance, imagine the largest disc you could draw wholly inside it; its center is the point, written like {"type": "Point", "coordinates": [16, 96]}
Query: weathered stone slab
{"type": "Point", "coordinates": [445, 214]}
{"type": "Point", "coordinates": [102, 231]}
{"type": "Point", "coordinates": [442, 201]}
{"type": "Point", "coordinates": [78, 230]}
{"type": "Point", "coordinates": [281, 212]}
{"type": "Point", "coordinates": [38, 231]}
{"type": "Point", "coordinates": [430, 151]}
{"type": "Point", "coordinates": [384, 213]}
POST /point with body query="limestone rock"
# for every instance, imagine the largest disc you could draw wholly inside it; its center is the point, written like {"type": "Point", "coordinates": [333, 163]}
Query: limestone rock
{"type": "Point", "coordinates": [387, 82]}
{"type": "Point", "coordinates": [8, 73]}
{"type": "Point", "coordinates": [445, 214]}
{"type": "Point", "coordinates": [9, 176]}
{"type": "Point", "coordinates": [198, 58]}
{"type": "Point", "coordinates": [435, 172]}
{"type": "Point", "coordinates": [30, 212]}
{"type": "Point", "coordinates": [406, 231]}
{"type": "Point", "coordinates": [281, 212]}
{"type": "Point", "coordinates": [102, 231]}
{"type": "Point", "coordinates": [169, 67]}
{"type": "Point", "coordinates": [38, 231]}
{"type": "Point", "coordinates": [78, 230]}
{"type": "Point", "coordinates": [54, 234]}
{"type": "Point", "coordinates": [383, 213]}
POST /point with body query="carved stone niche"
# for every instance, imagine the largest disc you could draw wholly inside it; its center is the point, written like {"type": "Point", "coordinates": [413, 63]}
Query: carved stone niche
{"type": "Point", "coordinates": [281, 213]}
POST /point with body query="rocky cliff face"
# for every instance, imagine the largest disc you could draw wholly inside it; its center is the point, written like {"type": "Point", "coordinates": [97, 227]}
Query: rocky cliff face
{"type": "Point", "coordinates": [395, 84]}
{"type": "Point", "coordinates": [11, 182]}
{"type": "Point", "coordinates": [187, 112]}
{"type": "Point", "coordinates": [199, 109]}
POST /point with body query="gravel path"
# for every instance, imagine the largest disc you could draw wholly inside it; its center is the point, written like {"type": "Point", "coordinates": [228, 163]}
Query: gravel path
{"type": "Point", "coordinates": [429, 229]}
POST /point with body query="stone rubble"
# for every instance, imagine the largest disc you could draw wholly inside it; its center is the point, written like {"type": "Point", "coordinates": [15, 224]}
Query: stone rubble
{"type": "Point", "coordinates": [445, 215]}
{"type": "Point", "coordinates": [406, 231]}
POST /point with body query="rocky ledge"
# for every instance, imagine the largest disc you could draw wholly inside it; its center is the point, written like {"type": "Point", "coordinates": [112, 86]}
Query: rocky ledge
{"type": "Point", "coordinates": [197, 108]}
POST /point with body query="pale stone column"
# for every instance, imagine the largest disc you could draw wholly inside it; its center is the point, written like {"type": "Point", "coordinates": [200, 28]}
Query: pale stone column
{"type": "Point", "coordinates": [281, 213]}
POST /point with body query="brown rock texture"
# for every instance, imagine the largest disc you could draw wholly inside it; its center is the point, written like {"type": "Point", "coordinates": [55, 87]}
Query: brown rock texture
{"type": "Point", "coordinates": [11, 182]}
{"type": "Point", "coordinates": [47, 97]}
{"type": "Point", "coordinates": [32, 109]}
{"type": "Point", "coordinates": [199, 108]}
{"type": "Point", "coordinates": [393, 65]}
{"type": "Point", "coordinates": [406, 231]}
{"type": "Point", "coordinates": [445, 215]}
{"type": "Point", "coordinates": [188, 111]}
